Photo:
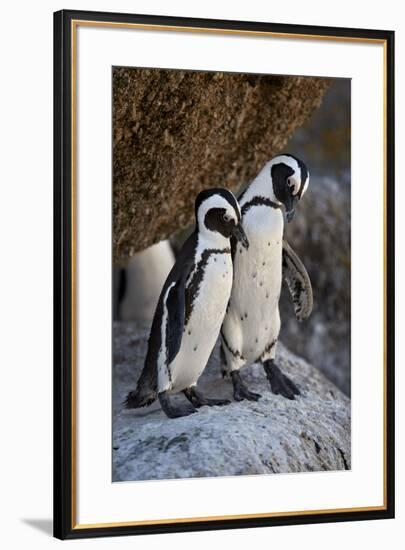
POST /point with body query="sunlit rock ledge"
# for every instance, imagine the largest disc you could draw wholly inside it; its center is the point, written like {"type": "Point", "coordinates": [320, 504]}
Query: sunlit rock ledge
{"type": "Point", "coordinates": [273, 435]}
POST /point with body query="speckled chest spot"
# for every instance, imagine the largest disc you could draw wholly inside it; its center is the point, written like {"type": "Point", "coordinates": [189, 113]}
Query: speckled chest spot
{"type": "Point", "coordinates": [253, 311]}
{"type": "Point", "coordinates": [204, 322]}
{"type": "Point", "coordinates": [214, 267]}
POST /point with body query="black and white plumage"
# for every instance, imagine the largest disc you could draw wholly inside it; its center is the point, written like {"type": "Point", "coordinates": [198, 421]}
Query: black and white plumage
{"type": "Point", "coordinates": [252, 323]}
{"type": "Point", "coordinates": [298, 282]}
{"type": "Point", "coordinates": [191, 308]}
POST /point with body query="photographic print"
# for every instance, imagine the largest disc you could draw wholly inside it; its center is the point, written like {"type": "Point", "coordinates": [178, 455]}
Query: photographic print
{"type": "Point", "coordinates": [224, 302]}
{"type": "Point", "coordinates": [231, 269]}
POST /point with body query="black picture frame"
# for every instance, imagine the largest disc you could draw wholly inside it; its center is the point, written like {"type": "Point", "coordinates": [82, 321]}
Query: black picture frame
{"type": "Point", "coordinates": [64, 445]}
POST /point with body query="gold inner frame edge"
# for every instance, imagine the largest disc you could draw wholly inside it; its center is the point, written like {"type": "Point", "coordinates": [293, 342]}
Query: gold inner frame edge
{"type": "Point", "coordinates": [76, 23]}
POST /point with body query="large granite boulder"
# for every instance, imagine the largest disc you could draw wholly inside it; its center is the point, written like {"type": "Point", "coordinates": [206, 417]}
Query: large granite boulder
{"type": "Point", "coordinates": [178, 132]}
{"type": "Point", "coordinates": [320, 234]}
{"type": "Point", "coordinates": [273, 435]}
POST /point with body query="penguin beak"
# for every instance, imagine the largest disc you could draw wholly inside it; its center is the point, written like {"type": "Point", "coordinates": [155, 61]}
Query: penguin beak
{"type": "Point", "coordinates": [240, 235]}
{"type": "Point", "coordinates": [290, 207]}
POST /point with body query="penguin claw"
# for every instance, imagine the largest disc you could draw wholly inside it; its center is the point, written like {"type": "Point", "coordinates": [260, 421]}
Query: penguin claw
{"type": "Point", "coordinates": [133, 401]}
{"type": "Point", "coordinates": [212, 403]}
{"type": "Point", "coordinates": [179, 411]}
{"type": "Point", "coordinates": [285, 387]}
{"type": "Point", "coordinates": [244, 393]}
{"type": "Point", "coordinates": [292, 386]}
{"type": "Point", "coordinates": [128, 402]}
{"type": "Point", "coordinates": [280, 383]}
{"type": "Point", "coordinates": [240, 391]}
{"type": "Point", "coordinates": [199, 400]}
{"type": "Point", "coordinates": [285, 393]}
{"type": "Point", "coordinates": [217, 402]}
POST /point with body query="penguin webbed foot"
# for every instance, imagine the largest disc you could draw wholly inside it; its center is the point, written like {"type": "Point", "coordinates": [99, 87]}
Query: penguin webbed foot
{"type": "Point", "coordinates": [128, 402]}
{"type": "Point", "coordinates": [240, 390]}
{"type": "Point", "coordinates": [134, 400]}
{"type": "Point", "coordinates": [175, 411]}
{"type": "Point", "coordinates": [280, 383]}
{"type": "Point", "coordinates": [199, 400]}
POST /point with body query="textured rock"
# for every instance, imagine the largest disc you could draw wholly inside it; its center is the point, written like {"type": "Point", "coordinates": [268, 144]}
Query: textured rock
{"type": "Point", "coordinates": [273, 435]}
{"type": "Point", "coordinates": [322, 225]}
{"type": "Point", "coordinates": [177, 132]}
{"type": "Point", "coordinates": [320, 235]}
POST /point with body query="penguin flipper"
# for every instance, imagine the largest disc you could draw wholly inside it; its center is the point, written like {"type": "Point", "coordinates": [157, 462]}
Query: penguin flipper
{"type": "Point", "coordinates": [298, 282]}
{"type": "Point", "coordinates": [175, 305]}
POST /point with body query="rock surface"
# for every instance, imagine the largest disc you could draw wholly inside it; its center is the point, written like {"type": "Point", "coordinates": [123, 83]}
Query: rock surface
{"type": "Point", "coordinates": [178, 132]}
{"type": "Point", "coordinates": [273, 435]}
{"type": "Point", "coordinates": [322, 224]}
{"type": "Point", "coordinates": [320, 235]}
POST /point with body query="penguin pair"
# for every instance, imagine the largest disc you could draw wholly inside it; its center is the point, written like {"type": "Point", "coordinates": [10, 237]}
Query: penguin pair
{"type": "Point", "coordinates": [228, 273]}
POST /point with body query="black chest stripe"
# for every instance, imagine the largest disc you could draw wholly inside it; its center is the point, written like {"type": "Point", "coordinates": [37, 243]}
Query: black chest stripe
{"type": "Point", "coordinates": [234, 352]}
{"type": "Point", "coordinates": [193, 287]}
{"type": "Point", "coordinates": [267, 350]}
{"type": "Point", "coordinates": [258, 201]}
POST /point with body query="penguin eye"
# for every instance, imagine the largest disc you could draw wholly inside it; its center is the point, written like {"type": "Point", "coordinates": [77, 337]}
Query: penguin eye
{"type": "Point", "coordinates": [289, 182]}
{"type": "Point", "coordinates": [226, 217]}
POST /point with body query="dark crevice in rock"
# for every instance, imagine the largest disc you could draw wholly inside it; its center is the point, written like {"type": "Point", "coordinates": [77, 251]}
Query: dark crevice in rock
{"type": "Point", "coordinates": [342, 454]}
{"type": "Point", "coordinates": [317, 447]}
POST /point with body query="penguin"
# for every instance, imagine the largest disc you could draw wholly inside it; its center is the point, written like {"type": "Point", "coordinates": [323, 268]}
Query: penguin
{"type": "Point", "coordinates": [251, 325]}
{"type": "Point", "coordinates": [191, 308]}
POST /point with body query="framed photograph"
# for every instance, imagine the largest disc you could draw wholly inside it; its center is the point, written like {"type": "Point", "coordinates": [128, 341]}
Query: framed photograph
{"type": "Point", "coordinates": [223, 274]}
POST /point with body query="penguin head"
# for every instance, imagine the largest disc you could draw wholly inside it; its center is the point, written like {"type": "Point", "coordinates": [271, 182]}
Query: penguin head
{"type": "Point", "coordinates": [218, 215]}
{"type": "Point", "coordinates": [289, 179]}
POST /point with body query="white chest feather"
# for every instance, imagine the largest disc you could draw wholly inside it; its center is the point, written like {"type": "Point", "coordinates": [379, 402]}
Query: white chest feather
{"type": "Point", "coordinates": [252, 320]}
{"type": "Point", "coordinates": [208, 305]}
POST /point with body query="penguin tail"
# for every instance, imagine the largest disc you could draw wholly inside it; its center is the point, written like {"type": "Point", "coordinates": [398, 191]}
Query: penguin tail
{"type": "Point", "coordinates": [146, 388]}
{"type": "Point", "coordinates": [139, 398]}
